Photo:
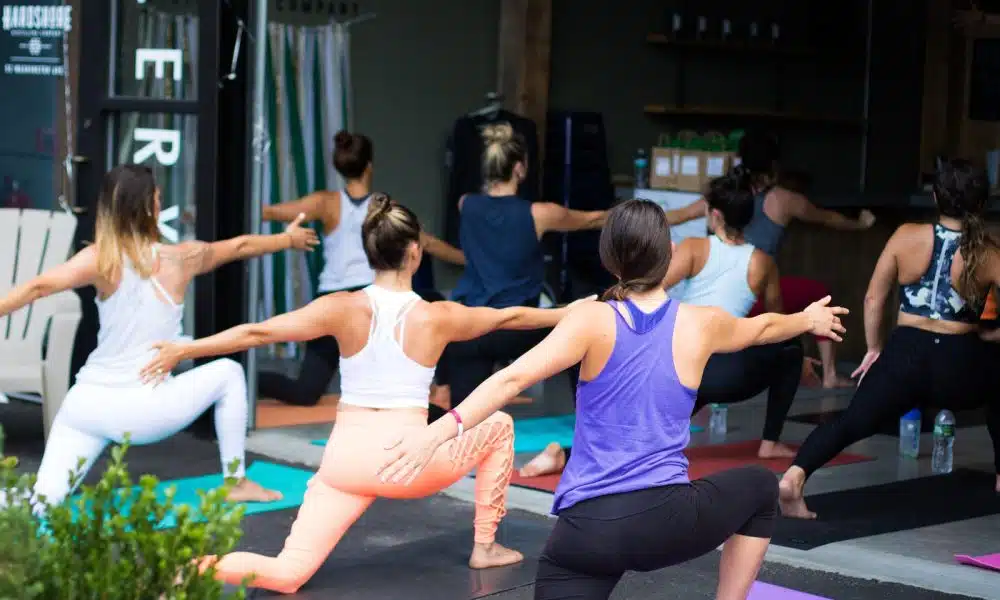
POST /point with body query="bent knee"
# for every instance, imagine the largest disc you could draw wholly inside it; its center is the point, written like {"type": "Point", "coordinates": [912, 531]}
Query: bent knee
{"type": "Point", "coordinates": [229, 367]}
{"type": "Point", "coordinates": [764, 483]}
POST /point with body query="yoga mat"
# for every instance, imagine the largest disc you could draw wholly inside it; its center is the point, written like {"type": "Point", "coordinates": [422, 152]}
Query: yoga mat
{"type": "Point", "coordinates": [987, 561]}
{"type": "Point", "coordinates": [291, 482]}
{"type": "Point", "coordinates": [963, 419]}
{"type": "Point", "coordinates": [706, 460]}
{"type": "Point", "coordinates": [767, 591]}
{"type": "Point", "coordinates": [898, 506]}
{"type": "Point", "coordinates": [533, 435]}
{"type": "Point", "coordinates": [271, 413]}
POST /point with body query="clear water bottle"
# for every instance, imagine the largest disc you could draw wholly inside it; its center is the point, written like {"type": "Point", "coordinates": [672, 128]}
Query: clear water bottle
{"type": "Point", "coordinates": [641, 164]}
{"type": "Point", "coordinates": [909, 434]}
{"type": "Point", "coordinates": [944, 442]}
{"type": "Point", "coordinates": [717, 420]}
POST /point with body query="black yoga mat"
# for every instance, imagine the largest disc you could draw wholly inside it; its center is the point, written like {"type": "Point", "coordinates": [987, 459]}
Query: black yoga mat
{"type": "Point", "coordinates": [964, 418]}
{"type": "Point", "coordinates": [899, 506]}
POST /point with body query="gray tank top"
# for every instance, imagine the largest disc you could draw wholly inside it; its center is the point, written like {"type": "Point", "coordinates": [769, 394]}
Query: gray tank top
{"type": "Point", "coordinates": [762, 232]}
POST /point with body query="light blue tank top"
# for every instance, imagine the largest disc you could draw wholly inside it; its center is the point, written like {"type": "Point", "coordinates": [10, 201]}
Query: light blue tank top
{"type": "Point", "coordinates": [722, 282]}
{"type": "Point", "coordinates": [762, 232]}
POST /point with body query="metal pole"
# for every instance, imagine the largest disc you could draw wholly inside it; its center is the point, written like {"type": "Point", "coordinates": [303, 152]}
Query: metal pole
{"type": "Point", "coordinates": [260, 147]}
{"type": "Point", "coordinates": [867, 100]}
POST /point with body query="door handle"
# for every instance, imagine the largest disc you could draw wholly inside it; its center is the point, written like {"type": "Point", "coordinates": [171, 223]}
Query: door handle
{"type": "Point", "coordinates": [78, 159]}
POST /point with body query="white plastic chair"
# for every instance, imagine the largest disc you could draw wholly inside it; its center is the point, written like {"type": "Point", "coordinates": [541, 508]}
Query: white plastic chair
{"type": "Point", "coordinates": [36, 342]}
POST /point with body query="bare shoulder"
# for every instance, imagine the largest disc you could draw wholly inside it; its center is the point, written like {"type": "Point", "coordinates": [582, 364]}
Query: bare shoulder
{"type": "Point", "coordinates": [762, 261]}
{"type": "Point", "coordinates": [909, 235]}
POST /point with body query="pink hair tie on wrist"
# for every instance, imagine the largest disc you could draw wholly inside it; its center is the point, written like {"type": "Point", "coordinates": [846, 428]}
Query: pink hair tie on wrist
{"type": "Point", "coordinates": [458, 419]}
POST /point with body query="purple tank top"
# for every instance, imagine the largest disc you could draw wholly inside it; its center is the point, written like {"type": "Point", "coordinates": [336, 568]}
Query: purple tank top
{"type": "Point", "coordinates": [633, 419]}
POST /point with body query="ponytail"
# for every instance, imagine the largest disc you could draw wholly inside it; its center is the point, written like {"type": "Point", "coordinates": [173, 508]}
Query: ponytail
{"type": "Point", "coordinates": [619, 291]}
{"type": "Point", "coordinates": [974, 246]}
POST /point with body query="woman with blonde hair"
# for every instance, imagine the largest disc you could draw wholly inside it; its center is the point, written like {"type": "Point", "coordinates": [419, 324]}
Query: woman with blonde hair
{"type": "Point", "coordinates": [391, 340]}
{"type": "Point", "coordinates": [140, 290]}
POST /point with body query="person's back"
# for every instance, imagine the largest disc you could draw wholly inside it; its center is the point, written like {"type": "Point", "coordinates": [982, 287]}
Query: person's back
{"type": "Point", "coordinates": [345, 265]}
{"type": "Point", "coordinates": [633, 418]}
{"type": "Point", "coordinates": [762, 232]}
{"type": "Point", "coordinates": [139, 313]}
{"type": "Point", "coordinates": [929, 268]}
{"type": "Point", "coordinates": [504, 262]}
{"type": "Point", "coordinates": [723, 281]}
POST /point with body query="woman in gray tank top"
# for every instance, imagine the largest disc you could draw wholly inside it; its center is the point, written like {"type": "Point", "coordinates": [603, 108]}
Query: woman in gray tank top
{"type": "Point", "coordinates": [776, 205]}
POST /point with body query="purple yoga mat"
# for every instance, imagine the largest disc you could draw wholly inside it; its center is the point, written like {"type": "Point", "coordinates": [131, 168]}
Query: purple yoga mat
{"type": "Point", "coordinates": [987, 561]}
{"type": "Point", "coordinates": [766, 591]}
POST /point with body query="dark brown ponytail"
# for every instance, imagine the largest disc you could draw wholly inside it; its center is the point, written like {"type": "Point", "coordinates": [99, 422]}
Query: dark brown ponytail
{"type": "Point", "coordinates": [961, 191]}
{"type": "Point", "coordinates": [635, 248]}
{"type": "Point", "coordinates": [974, 246]}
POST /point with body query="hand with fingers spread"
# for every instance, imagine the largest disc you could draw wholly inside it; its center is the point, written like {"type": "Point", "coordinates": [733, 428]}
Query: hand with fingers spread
{"type": "Point", "coordinates": [825, 319]}
{"type": "Point", "coordinates": [408, 456]}
{"type": "Point", "coordinates": [302, 238]}
{"type": "Point", "coordinates": [870, 357]}
{"type": "Point", "coordinates": [168, 355]}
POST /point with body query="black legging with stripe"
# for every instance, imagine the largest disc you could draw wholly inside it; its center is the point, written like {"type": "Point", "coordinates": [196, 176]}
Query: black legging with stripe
{"type": "Point", "coordinates": [917, 368]}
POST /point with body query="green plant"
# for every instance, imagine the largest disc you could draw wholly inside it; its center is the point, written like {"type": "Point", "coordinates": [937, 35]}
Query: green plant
{"type": "Point", "coordinates": [107, 542]}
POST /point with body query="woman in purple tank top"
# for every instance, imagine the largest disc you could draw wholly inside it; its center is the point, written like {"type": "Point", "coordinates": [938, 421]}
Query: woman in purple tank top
{"type": "Point", "coordinates": [625, 502]}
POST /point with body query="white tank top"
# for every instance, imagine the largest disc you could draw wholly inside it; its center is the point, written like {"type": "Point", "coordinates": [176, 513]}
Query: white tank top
{"type": "Point", "coordinates": [381, 375]}
{"type": "Point", "coordinates": [131, 320]}
{"type": "Point", "coordinates": [722, 282]}
{"type": "Point", "coordinates": [345, 264]}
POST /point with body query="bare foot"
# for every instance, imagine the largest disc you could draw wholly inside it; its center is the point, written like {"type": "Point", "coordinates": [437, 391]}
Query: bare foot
{"type": "Point", "coordinates": [790, 498]}
{"type": "Point", "coordinates": [549, 462]}
{"type": "Point", "coordinates": [485, 556]}
{"type": "Point", "coordinates": [836, 381]}
{"type": "Point", "coordinates": [998, 484]}
{"type": "Point", "coordinates": [251, 491]}
{"type": "Point", "coordinates": [770, 449]}
{"type": "Point", "coordinates": [810, 377]}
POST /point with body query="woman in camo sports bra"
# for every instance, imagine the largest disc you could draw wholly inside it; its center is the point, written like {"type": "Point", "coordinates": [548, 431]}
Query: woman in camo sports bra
{"type": "Point", "coordinates": [936, 356]}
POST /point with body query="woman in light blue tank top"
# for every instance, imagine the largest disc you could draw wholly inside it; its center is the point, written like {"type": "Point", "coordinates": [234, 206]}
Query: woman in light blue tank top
{"type": "Point", "coordinates": [726, 272]}
{"type": "Point", "coordinates": [625, 502]}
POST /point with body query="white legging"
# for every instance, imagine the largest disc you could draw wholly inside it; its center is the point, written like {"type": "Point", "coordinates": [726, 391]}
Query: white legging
{"type": "Point", "coordinates": [92, 416]}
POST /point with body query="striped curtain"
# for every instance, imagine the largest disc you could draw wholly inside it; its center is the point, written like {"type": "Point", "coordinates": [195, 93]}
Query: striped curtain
{"type": "Point", "coordinates": [307, 101]}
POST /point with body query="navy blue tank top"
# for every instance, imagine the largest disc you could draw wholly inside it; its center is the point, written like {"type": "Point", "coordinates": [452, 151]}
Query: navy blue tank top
{"type": "Point", "coordinates": [504, 265]}
{"type": "Point", "coordinates": [763, 233]}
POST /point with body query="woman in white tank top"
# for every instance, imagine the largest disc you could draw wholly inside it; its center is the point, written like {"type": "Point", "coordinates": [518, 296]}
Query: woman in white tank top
{"type": "Point", "coordinates": [345, 265]}
{"type": "Point", "coordinates": [392, 341]}
{"type": "Point", "coordinates": [140, 288]}
{"type": "Point", "coordinates": [726, 272]}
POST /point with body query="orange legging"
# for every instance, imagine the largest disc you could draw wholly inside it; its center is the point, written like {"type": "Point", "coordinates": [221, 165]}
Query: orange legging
{"type": "Point", "coordinates": [796, 294]}
{"type": "Point", "coordinates": [346, 485]}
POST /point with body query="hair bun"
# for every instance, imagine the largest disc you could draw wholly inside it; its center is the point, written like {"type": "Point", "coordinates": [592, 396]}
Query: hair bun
{"type": "Point", "coordinates": [343, 140]}
{"type": "Point", "coordinates": [498, 133]}
{"type": "Point", "coordinates": [379, 207]}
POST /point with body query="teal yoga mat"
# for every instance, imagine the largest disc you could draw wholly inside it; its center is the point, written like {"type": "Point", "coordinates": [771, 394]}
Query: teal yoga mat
{"type": "Point", "coordinates": [533, 435]}
{"type": "Point", "coordinates": [291, 482]}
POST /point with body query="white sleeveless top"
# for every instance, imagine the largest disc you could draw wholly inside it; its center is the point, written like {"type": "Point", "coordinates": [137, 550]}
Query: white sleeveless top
{"type": "Point", "coordinates": [345, 264]}
{"type": "Point", "coordinates": [131, 320]}
{"type": "Point", "coordinates": [722, 282]}
{"type": "Point", "coordinates": [381, 375]}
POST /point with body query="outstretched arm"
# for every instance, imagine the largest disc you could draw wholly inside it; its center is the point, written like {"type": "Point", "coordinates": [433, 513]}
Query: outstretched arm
{"type": "Point", "coordinates": [79, 271]}
{"type": "Point", "coordinates": [441, 249]}
{"type": "Point", "coordinates": [314, 320]}
{"type": "Point", "coordinates": [312, 206]}
{"type": "Point", "coordinates": [205, 257]}
{"type": "Point", "coordinates": [550, 216]}
{"type": "Point", "coordinates": [727, 333]}
{"type": "Point", "coordinates": [690, 212]}
{"type": "Point", "coordinates": [462, 323]}
{"type": "Point", "coordinates": [802, 209]}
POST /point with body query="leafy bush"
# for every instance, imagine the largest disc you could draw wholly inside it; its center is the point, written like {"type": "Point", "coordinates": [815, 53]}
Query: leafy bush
{"type": "Point", "coordinates": [106, 543]}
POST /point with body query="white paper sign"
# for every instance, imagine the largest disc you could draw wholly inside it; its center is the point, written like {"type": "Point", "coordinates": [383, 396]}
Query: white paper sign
{"type": "Point", "coordinates": [662, 166]}
{"type": "Point", "coordinates": [689, 165]}
{"type": "Point", "coordinates": [714, 167]}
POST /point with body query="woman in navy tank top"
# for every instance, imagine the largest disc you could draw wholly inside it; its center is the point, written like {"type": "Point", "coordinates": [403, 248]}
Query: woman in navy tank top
{"type": "Point", "coordinates": [777, 205]}
{"type": "Point", "coordinates": [625, 502]}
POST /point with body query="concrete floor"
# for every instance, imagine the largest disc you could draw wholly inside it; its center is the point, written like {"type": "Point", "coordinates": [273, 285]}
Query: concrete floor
{"type": "Point", "coordinates": [417, 549]}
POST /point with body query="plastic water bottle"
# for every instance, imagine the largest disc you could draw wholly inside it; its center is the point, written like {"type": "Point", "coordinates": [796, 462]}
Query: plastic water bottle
{"type": "Point", "coordinates": [909, 434]}
{"type": "Point", "coordinates": [641, 164]}
{"type": "Point", "coordinates": [944, 442]}
{"type": "Point", "coordinates": [717, 421]}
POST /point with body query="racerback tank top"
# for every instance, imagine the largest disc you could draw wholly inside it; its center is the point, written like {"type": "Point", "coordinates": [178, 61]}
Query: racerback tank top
{"type": "Point", "coordinates": [762, 232]}
{"type": "Point", "coordinates": [138, 314]}
{"type": "Point", "coordinates": [722, 282]}
{"type": "Point", "coordinates": [345, 264]}
{"type": "Point", "coordinates": [381, 375]}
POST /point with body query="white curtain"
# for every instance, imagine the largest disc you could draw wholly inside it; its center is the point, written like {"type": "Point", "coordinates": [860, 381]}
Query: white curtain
{"type": "Point", "coordinates": [306, 104]}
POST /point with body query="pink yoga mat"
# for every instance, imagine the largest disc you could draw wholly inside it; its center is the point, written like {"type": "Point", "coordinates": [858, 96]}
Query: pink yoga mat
{"type": "Point", "coordinates": [766, 591]}
{"type": "Point", "coordinates": [987, 561]}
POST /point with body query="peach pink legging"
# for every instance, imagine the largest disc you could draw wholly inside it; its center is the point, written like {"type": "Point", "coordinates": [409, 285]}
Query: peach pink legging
{"type": "Point", "coordinates": [346, 485]}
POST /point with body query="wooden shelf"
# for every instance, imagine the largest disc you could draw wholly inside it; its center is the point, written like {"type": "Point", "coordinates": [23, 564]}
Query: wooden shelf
{"type": "Point", "coordinates": [664, 40]}
{"type": "Point", "coordinates": [716, 111]}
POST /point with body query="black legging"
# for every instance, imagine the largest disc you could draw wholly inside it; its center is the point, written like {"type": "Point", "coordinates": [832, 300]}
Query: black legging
{"type": "Point", "coordinates": [920, 369]}
{"type": "Point", "coordinates": [322, 357]}
{"type": "Point", "coordinates": [596, 541]}
{"type": "Point", "coordinates": [738, 376]}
